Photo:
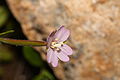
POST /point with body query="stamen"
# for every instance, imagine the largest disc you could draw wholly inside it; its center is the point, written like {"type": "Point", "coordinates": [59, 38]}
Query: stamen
{"type": "Point", "coordinates": [56, 45]}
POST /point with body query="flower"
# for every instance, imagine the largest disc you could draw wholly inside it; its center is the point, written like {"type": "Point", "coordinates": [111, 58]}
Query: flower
{"type": "Point", "coordinates": [56, 47]}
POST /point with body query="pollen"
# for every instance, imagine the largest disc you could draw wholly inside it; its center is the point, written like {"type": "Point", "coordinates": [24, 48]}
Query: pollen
{"type": "Point", "coordinates": [56, 39]}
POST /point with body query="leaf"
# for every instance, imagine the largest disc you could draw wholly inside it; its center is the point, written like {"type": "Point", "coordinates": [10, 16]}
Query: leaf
{"type": "Point", "coordinates": [32, 57]}
{"type": "Point", "coordinates": [10, 31]}
{"type": "Point", "coordinates": [4, 14]}
{"type": "Point", "coordinates": [44, 75]}
{"type": "Point", "coordinates": [5, 53]}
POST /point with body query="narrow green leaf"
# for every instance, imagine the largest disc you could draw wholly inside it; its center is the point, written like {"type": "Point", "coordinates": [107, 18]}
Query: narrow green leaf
{"type": "Point", "coordinates": [32, 56]}
{"type": "Point", "coordinates": [23, 42]}
{"type": "Point", "coordinates": [10, 31]}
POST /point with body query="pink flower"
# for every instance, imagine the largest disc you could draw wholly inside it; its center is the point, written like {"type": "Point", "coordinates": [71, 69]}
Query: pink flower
{"type": "Point", "coordinates": [57, 49]}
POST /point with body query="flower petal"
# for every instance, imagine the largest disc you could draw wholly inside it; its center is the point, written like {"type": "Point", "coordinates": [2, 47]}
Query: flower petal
{"type": "Point", "coordinates": [62, 34]}
{"type": "Point", "coordinates": [50, 53]}
{"type": "Point", "coordinates": [54, 60]}
{"type": "Point", "coordinates": [50, 38]}
{"type": "Point", "coordinates": [66, 49]}
{"type": "Point", "coordinates": [63, 57]}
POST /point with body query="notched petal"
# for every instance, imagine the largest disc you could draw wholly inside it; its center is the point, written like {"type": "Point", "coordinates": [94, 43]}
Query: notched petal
{"type": "Point", "coordinates": [63, 57]}
{"type": "Point", "coordinates": [66, 50]}
{"type": "Point", "coordinates": [54, 60]}
{"type": "Point", "coordinates": [49, 55]}
{"type": "Point", "coordinates": [62, 34]}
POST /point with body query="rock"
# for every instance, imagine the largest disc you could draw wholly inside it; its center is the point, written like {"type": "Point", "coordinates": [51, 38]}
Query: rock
{"type": "Point", "coordinates": [95, 34]}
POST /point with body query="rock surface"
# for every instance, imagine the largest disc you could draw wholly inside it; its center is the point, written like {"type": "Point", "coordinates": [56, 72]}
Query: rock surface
{"type": "Point", "coordinates": [95, 34]}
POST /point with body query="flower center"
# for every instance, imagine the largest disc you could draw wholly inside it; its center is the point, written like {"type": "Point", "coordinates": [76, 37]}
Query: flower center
{"type": "Point", "coordinates": [56, 45]}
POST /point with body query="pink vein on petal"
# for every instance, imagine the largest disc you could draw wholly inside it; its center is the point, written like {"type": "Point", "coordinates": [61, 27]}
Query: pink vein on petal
{"type": "Point", "coordinates": [66, 50]}
{"type": "Point", "coordinates": [62, 56]}
{"type": "Point", "coordinates": [54, 60]}
{"type": "Point", "coordinates": [49, 55]}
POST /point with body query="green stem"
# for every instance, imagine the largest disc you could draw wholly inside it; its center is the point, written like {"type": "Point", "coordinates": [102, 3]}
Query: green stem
{"type": "Point", "coordinates": [23, 42]}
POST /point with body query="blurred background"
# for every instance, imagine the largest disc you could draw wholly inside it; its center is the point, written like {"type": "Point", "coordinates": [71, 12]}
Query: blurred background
{"type": "Point", "coordinates": [19, 63]}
